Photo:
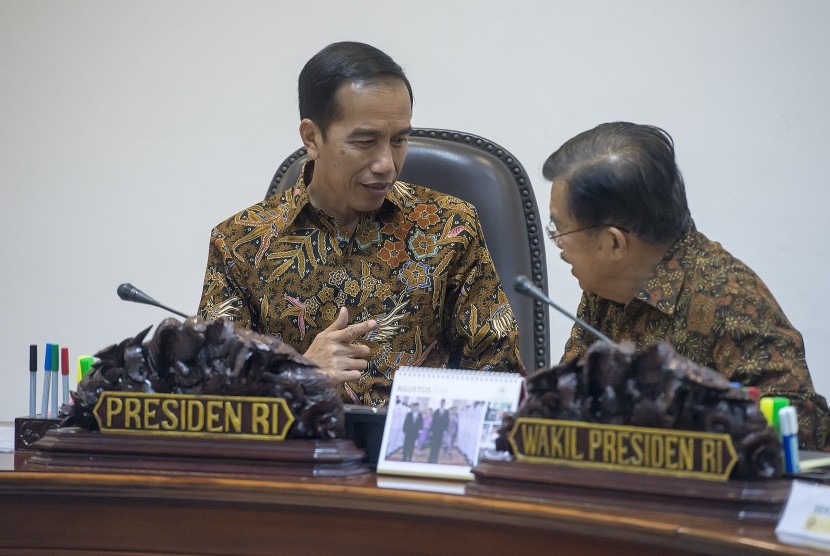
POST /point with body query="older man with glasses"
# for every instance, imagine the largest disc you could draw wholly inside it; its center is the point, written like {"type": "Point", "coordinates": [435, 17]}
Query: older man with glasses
{"type": "Point", "coordinates": [620, 218]}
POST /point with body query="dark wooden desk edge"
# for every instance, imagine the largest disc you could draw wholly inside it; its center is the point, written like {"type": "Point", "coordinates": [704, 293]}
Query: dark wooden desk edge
{"type": "Point", "coordinates": [361, 494]}
{"type": "Point", "coordinates": [55, 494]}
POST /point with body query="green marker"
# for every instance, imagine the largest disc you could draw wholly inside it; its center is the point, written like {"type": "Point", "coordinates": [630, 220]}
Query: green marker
{"type": "Point", "coordinates": [84, 365]}
{"type": "Point", "coordinates": [770, 406]}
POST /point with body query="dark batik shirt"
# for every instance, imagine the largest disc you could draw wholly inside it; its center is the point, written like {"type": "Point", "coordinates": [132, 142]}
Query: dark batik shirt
{"type": "Point", "coordinates": [418, 265]}
{"type": "Point", "coordinates": [716, 311]}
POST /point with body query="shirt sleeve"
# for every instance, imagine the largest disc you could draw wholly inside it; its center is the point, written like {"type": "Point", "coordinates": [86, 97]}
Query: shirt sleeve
{"type": "Point", "coordinates": [222, 296]}
{"type": "Point", "coordinates": [756, 345]}
{"type": "Point", "coordinates": [580, 339]}
{"type": "Point", "coordinates": [484, 331]}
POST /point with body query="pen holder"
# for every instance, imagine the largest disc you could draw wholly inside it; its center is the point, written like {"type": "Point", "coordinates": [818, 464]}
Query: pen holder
{"type": "Point", "coordinates": [28, 430]}
{"type": "Point", "coordinates": [364, 426]}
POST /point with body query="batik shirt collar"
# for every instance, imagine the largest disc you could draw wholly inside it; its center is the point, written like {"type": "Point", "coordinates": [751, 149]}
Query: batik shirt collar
{"type": "Point", "coordinates": [662, 289]}
{"type": "Point", "coordinates": [294, 200]}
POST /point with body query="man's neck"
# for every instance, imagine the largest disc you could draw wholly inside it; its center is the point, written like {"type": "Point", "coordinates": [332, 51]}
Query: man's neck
{"type": "Point", "coordinates": [641, 262]}
{"type": "Point", "coordinates": [347, 220]}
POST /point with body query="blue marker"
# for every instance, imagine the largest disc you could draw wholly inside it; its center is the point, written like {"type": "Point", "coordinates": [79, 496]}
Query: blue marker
{"type": "Point", "coordinates": [788, 421]}
{"type": "Point", "coordinates": [32, 380]}
{"type": "Point", "coordinates": [47, 380]}
{"type": "Point", "coordinates": [56, 366]}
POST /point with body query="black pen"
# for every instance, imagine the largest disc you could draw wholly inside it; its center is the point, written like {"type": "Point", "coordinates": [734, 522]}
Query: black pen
{"type": "Point", "coordinates": [32, 379]}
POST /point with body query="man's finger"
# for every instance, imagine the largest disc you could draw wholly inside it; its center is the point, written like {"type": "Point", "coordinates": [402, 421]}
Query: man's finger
{"type": "Point", "coordinates": [355, 365]}
{"type": "Point", "coordinates": [342, 320]}
{"type": "Point", "coordinates": [349, 376]}
{"type": "Point", "coordinates": [360, 351]}
{"type": "Point", "coordinates": [355, 331]}
{"type": "Point", "coordinates": [366, 326]}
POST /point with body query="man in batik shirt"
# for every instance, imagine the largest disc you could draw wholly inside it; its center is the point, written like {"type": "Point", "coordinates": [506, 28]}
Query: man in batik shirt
{"type": "Point", "coordinates": [619, 214]}
{"type": "Point", "coordinates": [405, 265]}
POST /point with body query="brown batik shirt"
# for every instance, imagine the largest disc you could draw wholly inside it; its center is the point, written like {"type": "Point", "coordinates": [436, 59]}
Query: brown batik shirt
{"type": "Point", "coordinates": [716, 311]}
{"type": "Point", "coordinates": [418, 265]}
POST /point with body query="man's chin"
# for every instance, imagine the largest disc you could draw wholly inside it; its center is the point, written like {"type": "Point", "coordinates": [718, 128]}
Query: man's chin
{"type": "Point", "coordinates": [378, 186]}
{"type": "Point", "coordinates": [376, 195]}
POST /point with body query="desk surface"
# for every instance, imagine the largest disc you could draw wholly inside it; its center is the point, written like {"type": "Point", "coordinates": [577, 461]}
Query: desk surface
{"type": "Point", "coordinates": [78, 512]}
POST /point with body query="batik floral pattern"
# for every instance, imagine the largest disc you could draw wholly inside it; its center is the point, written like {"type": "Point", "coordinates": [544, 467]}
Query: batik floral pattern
{"type": "Point", "coordinates": [418, 266]}
{"type": "Point", "coordinates": [716, 311]}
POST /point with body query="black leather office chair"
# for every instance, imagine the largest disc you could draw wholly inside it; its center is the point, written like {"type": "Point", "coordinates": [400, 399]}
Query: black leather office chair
{"type": "Point", "coordinates": [483, 173]}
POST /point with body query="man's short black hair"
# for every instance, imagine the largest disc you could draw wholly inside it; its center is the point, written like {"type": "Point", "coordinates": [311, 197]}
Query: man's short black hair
{"type": "Point", "coordinates": [623, 174]}
{"type": "Point", "coordinates": [335, 65]}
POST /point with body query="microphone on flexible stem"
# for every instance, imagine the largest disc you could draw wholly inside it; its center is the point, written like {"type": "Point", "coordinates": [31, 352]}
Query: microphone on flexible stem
{"type": "Point", "coordinates": [128, 292]}
{"type": "Point", "coordinates": [523, 285]}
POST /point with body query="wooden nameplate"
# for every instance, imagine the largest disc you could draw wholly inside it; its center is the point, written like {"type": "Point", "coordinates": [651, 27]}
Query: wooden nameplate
{"type": "Point", "coordinates": [735, 499]}
{"type": "Point", "coordinates": [28, 430]}
{"type": "Point", "coordinates": [80, 449]}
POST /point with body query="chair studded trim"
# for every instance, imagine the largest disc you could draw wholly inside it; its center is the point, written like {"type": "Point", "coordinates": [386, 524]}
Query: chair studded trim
{"type": "Point", "coordinates": [441, 139]}
{"type": "Point", "coordinates": [297, 157]}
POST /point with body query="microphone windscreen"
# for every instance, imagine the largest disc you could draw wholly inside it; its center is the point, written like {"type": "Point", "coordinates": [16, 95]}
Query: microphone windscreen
{"type": "Point", "coordinates": [522, 284]}
{"type": "Point", "coordinates": [128, 292]}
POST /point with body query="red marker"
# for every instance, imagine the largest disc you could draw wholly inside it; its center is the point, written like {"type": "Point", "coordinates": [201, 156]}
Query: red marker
{"type": "Point", "coordinates": [65, 373]}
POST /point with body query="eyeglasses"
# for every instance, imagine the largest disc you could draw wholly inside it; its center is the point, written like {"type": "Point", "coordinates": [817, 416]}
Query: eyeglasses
{"type": "Point", "coordinates": [550, 228]}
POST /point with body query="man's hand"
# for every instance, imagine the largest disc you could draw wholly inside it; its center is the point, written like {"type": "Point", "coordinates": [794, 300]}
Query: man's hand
{"type": "Point", "coordinates": [335, 353]}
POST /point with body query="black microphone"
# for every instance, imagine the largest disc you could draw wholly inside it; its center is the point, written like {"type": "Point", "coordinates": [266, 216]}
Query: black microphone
{"type": "Point", "coordinates": [524, 286]}
{"type": "Point", "coordinates": [128, 292]}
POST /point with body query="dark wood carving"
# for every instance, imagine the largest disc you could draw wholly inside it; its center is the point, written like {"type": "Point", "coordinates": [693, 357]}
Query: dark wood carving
{"type": "Point", "coordinates": [75, 448]}
{"type": "Point", "coordinates": [735, 499]}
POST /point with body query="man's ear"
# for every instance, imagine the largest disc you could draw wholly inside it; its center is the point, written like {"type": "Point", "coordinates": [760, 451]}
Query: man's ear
{"type": "Point", "coordinates": [618, 243]}
{"type": "Point", "coordinates": [311, 137]}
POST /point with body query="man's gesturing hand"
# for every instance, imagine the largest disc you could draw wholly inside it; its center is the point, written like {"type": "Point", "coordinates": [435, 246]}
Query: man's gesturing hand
{"type": "Point", "coordinates": [334, 351]}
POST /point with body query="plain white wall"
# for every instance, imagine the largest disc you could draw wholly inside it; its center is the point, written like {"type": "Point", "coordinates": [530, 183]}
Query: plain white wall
{"type": "Point", "coordinates": [130, 128]}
